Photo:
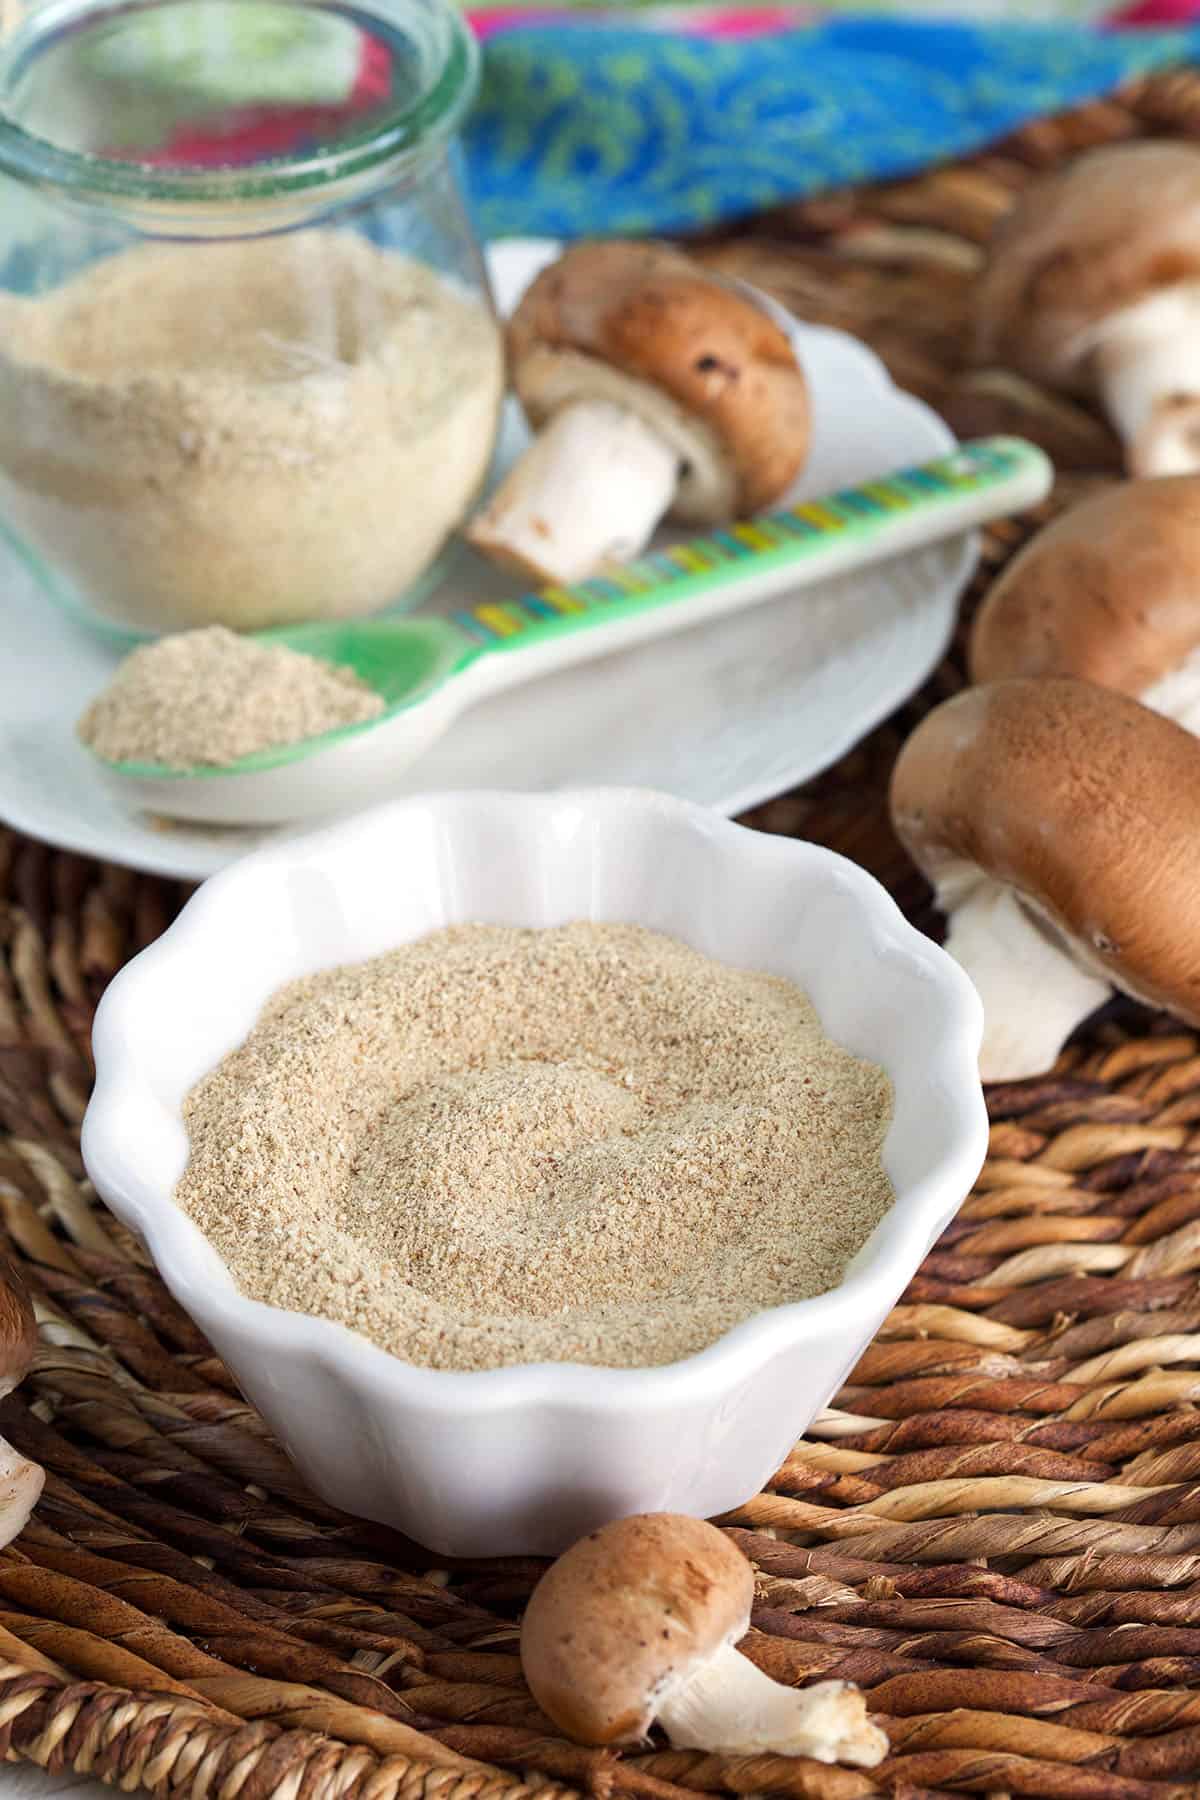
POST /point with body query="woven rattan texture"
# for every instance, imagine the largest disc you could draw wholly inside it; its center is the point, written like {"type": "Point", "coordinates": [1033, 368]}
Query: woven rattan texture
{"type": "Point", "coordinates": [996, 1529]}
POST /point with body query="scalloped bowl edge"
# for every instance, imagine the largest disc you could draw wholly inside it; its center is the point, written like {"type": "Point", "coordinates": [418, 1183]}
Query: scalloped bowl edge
{"type": "Point", "coordinates": [525, 1459]}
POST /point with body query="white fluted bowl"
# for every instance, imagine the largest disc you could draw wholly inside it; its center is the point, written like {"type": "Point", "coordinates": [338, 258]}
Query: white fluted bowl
{"type": "Point", "coordinates": [528, 1458]}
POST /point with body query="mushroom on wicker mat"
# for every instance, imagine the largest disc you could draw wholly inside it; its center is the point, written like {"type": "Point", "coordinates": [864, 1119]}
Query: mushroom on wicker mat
{"type": "Point", "coordinates": [20, 1481]}
{"type": "Point", "coordinates": [654, 387]}
{"type": "Point", "coordinates": [1109, 592]}
{"type": "Point", "coordinates": [639, 1622]}
{"type": "Point", "coordinates": [1059, 824]}
{"type": "Point", "coordinates": [1093, 285]}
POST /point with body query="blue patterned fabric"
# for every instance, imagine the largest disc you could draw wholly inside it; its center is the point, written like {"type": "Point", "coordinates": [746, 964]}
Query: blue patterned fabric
{"type": "Point", "coordinates": [592, 128]}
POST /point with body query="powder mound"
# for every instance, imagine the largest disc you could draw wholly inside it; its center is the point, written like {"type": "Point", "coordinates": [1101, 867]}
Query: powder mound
{"type": "Point", "coordinates": [589, 1143]}
{"type": "Point", "coordinates": [202, 699]}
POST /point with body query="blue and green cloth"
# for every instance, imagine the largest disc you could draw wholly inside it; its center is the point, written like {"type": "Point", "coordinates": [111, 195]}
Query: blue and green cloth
{"type": "Point", "coordinates": [587, 126]}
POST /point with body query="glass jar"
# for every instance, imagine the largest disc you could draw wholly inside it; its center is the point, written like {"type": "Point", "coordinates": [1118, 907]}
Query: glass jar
{"type": "Point", "coordinates": [250, 372]}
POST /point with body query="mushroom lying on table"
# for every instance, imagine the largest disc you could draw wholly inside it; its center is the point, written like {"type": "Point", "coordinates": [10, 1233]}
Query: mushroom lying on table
{"type": "Point", "coordinates": [638, 1623]}
{"type": "Point", "coordinates": [1109, 592]}
{"type": "Point", "coordinates": [1059, 824]}
{"type": "Point", "coordinates": [21, 1481]}
{"type": "Point", "coordinates": [653, 387]}
{"type": "Point", "coordinates": [1093, 286]}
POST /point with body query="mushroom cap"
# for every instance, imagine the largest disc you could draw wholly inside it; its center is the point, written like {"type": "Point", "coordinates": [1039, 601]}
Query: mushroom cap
{"type": "Point", "coordinates": [1110, 592]}
{"type": "Point", "coordinates": [18, 1328]}
{"type": "Point", "coordinates": [628, 1613]}
{"type": "Point", "coordinates": [1114, 227]}
{"type": "Point", "coordinates": [693, 349]}
{"type": "Point", "coordinates": [1086, 804]}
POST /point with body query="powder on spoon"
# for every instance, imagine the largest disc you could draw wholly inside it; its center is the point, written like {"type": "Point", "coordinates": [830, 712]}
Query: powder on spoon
{"type": "Point", "coordinates": [202, 699]}
{"type": "Point", "coordinates": [589, 1143]}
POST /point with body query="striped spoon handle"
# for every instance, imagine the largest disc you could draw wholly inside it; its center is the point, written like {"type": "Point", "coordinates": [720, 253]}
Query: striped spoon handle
{"type": "Point", "coordinates": [745, 563]}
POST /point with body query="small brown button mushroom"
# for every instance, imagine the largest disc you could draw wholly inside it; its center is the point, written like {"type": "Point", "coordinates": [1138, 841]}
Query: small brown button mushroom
{"type": "Point", "coordinates": [21, 1481]}
{"type": "Point", "coordinates": [654, 387]}
{"type": "Point", "coordinates": [1059, 824]}
{"type": "Point", "coordinates": [1093, 285]}
{"type": "Point", "coordinates": [1109, 592]}
{"type": "Point", "coordinates": [638, 1623]}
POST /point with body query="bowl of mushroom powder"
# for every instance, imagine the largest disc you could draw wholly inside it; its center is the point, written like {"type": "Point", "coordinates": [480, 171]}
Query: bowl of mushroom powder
{"type": "Point", "coordinates": [575, 1144]}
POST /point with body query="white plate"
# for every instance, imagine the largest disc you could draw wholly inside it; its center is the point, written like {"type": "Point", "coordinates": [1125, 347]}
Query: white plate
{"type": "Point", "coordinates": [726, 714]}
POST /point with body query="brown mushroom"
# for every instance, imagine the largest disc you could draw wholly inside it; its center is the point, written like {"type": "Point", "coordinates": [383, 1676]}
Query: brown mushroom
{"type": "Point", "coordinates": [638, 1623]}
{"type": "Point", "coordinates": [1109, 592]}
{"type": "Point", "coordinates": [1059, 824]}
{"type": "Point", "coordinates": [1093, 285]}
{"type": "Point", "coordinates": [21, 1481]}
{"type": "Point", "coordinates": [654, 387]}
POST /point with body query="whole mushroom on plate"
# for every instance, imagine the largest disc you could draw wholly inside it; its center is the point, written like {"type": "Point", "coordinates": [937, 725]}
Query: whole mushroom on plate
{"type": "Point", "coordinates": [1059, 824]}
{"type": "Point", "coordinates": [21, 1481]}
{"type": "Point", "coordinates": [653, 387]}
{"type": "Point", "coordinates": [638, 1624]}
{"type": "Point", "coordinates": [1109, 592]}
{"type": "Point", "coordinates": [1093, 286]}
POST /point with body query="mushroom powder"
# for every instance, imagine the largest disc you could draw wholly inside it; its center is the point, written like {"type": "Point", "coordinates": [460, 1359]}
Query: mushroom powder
{"type": "Point", "coordinates": [256, 432]}
{"type": "Point", "coordinates": [495, 1145]}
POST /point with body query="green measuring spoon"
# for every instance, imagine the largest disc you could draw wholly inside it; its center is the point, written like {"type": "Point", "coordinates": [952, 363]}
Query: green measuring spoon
{"type": "Point", "coordinates": [429, 669]}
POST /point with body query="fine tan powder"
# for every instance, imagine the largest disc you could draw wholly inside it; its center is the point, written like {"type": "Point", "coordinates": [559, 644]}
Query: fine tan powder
{"type": "Point", "coordinates": [495, 1145]}
{"type": "Point", "coordinates": [204, 698]}
{"type": "Point", "coordinates": [246, 433]}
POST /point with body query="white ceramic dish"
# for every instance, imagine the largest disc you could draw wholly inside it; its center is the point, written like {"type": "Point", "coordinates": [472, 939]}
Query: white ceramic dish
{"type": "Point", "coordinates": [726, 714]}
{"type": "Point", "coordinates": [525, 1459]}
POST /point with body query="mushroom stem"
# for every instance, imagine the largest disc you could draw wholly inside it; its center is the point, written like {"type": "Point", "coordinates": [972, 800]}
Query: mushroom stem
{"type": "Point", "coordinates": [1169, 442]}
{"type": "Point", "coordinates": [590, 489]}
{"type": "Point", "coordinates": [1148, 368]}
{"type": "Point", "coordinates": [729, 1707]}
{"type": "Point", "coordinates": [21, 1484]}
{"type": "Point", "coordinates": [1177, 693]}
{"type": "Point", "coordinates": [1034, 993]}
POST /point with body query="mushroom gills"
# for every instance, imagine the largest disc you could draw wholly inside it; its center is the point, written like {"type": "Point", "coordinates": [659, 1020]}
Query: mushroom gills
{"type": "Point", "coordinates": [1034, 992]}
{"type": "Point", "coordinates": [1147, 362]}
{"type": "Point", "coordinates": [730, 1708]}
{"type": "Point", "coordinates": [589, 490]}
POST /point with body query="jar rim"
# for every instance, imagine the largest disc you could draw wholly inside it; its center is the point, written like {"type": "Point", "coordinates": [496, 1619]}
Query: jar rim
{"type": "Point", "coordinates": [399, 135]}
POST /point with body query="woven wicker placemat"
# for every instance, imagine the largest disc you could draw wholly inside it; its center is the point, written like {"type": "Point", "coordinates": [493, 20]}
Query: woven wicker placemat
{"type": "Point", "coordinates": [995, 1529]}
